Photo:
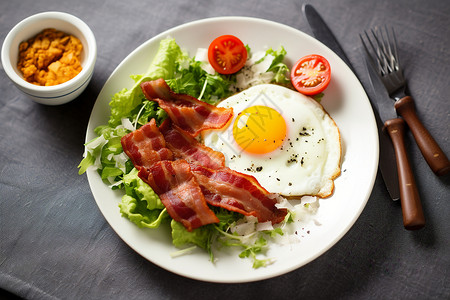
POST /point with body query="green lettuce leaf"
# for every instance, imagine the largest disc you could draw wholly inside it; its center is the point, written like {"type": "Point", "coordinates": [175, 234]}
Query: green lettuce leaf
{"type": "Point", "coordinates": [164, 65]}
{"type": "Point", "coordinates": [140, 204]}
{"type": "Point", "coordinates": [137, 212]}
{"type": "Point", "coordinates": [181, 237]}
{"type": "Point", "coordinates": [137, 188]}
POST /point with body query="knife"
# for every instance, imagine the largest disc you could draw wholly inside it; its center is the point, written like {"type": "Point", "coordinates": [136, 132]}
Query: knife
{"type": "Point", "coordinates": [387, 162]}
{"type": "Point", "coordinates": [413, 217]}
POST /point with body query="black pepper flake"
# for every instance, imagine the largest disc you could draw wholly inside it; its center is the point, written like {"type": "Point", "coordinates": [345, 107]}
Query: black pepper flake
{"type": "Point", "coordinates": [278, 179]}
{"type": "Point", "coordinates": [293, 120]}
{"type": "Point", "coordinates": [253, 169]}
{"type": "Point", "coordinates": [290, 183]}
{"type": "Point", "coordinates": [303, 133]}
{"type": "Point", "coordinates": [293, 159]}
{"type": "Point", "coordinates": [302, 161]}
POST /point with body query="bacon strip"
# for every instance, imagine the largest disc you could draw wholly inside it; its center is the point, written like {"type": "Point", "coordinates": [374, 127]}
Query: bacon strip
{"type": "Point", "coordinates": [186, 147]}
{"type": "Point", "coordinates": [146, 146]}
{"type": "Point", "coordinates": [186, 112]}
{"type": "Point", "coordinates": [172, 180]}
{"type": "Point", "coordinates": [237, 192]}
{"type": "Point", "coordinates": [180, 193]}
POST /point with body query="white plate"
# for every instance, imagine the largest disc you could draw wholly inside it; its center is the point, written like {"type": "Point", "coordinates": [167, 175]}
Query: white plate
{"type": "Point", "coordinates": [344, 99]}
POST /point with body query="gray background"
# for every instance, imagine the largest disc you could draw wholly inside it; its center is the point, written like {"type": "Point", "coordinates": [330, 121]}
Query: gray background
{"type": "Point", "coordinates": [56, 244]}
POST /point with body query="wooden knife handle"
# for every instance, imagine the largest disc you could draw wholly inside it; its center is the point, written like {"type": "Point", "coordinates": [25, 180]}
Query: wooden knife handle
{"type": "Point", "coordinates": [413, 217]}
{"type": "Point", "coordinates": [433, 154]}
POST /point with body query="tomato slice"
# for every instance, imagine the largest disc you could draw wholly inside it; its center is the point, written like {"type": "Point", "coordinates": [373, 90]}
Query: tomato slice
{"type": "Point", "coordinates": [227, 54]}
{"type": "Point", "coordinates": [311, 74]}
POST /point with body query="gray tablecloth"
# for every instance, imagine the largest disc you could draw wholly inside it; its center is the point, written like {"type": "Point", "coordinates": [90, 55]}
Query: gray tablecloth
{"type": "Point", "coordinates": [55, 243]}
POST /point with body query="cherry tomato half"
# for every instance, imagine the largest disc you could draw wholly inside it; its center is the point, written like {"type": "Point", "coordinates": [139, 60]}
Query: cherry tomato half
{"type": "Point", "coordinates": [311, 74]}
{"type": "Point", "coordinates": [227, 54]}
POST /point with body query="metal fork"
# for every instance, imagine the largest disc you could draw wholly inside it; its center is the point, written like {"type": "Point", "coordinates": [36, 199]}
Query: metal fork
{"type": "Point", "coordinates": [382, 52]}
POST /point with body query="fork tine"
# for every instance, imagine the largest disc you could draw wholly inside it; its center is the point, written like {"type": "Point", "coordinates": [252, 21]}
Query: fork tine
{"type": "Point", "coordinates": [392, 56]}
{"type": "Point", "coordinates": [397, 60]}
{"type": "Point", "coordinates": [388, 58]}
{"type": "Point", "coordinates": [396, 72]}
{"type": "Point", "coordinates": [371, 53]}
{"type": "Point", "coordinates": [383, 50]}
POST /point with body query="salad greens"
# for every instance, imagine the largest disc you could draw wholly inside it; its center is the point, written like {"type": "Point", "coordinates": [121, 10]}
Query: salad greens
{"type": "Point", "coordinates": [130, 110]}
{"type": "Point", "coordinates": [166, 61]}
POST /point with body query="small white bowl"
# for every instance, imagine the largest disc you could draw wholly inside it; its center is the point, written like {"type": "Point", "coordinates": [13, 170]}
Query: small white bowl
{"type": "Point", "coordinates": [31, 26]}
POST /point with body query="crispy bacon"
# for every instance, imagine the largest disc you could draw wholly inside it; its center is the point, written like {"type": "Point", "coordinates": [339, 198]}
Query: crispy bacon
{"type": "Point", "coordinates": [186, 147]}
{"type": "Point", "coordinates": [172, 180]}
{"type": "Point", "coordinates": [237, 192]}
{"type": "Point", "coordinates": [146, 146]}
{"type": "Point", "coordinates": [186, 112]}
{"type": "Point", "coordinates": [180, 193]}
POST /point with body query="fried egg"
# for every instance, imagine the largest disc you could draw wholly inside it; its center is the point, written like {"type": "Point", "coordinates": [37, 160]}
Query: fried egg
{"type": "Point", "coordinates": [286, 140]}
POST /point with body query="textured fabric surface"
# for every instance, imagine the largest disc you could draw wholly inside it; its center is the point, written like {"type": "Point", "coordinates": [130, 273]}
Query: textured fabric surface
{"type": "Point", "coordinates": [55, 243]}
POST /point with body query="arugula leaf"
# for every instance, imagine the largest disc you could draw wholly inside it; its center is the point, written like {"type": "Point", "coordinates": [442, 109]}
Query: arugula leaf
{"type": "Point", "coordinates": [318, 97]}
{"type": "Point", "coordinates": [196, 82]}
{"type": "Point", "coordinates": [278, 67]}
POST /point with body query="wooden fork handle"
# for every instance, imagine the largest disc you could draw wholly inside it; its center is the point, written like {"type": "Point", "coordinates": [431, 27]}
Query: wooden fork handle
{"type": "Point", "coordinates": [433, 154]}
{"type": "Point", "coordinates": [413, 217]}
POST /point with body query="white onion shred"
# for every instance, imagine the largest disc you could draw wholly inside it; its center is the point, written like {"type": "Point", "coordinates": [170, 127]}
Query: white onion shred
{"type": "Point", "coordinates": [202, 56]}
{"type": "Point", "coordinates": [254, 73]}
{"type": "Point", "coordinates": [98, 142]}
{"type": "Point", "coordinates": [126, 123]}
{"type": "Point", "coordinates": [120, 160]}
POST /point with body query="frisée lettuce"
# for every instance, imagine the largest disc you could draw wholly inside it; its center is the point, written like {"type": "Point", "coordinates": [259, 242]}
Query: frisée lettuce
{"type": "Point", "coordinates": [130, 110]}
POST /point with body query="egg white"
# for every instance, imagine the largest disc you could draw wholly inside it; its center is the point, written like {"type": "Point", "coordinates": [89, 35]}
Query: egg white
{"type": "Point", "coordinates": [308, 160]}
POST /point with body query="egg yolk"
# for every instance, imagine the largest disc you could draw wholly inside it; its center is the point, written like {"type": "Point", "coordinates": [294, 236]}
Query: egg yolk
{"type": "Point", "coordinates": [259, 129]}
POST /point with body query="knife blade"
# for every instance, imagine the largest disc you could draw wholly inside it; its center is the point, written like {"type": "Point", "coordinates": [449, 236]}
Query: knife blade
{"type": "Point", "coordinates": [387, 160]}
{"type": "Point", "coordinates": [413, 217]}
